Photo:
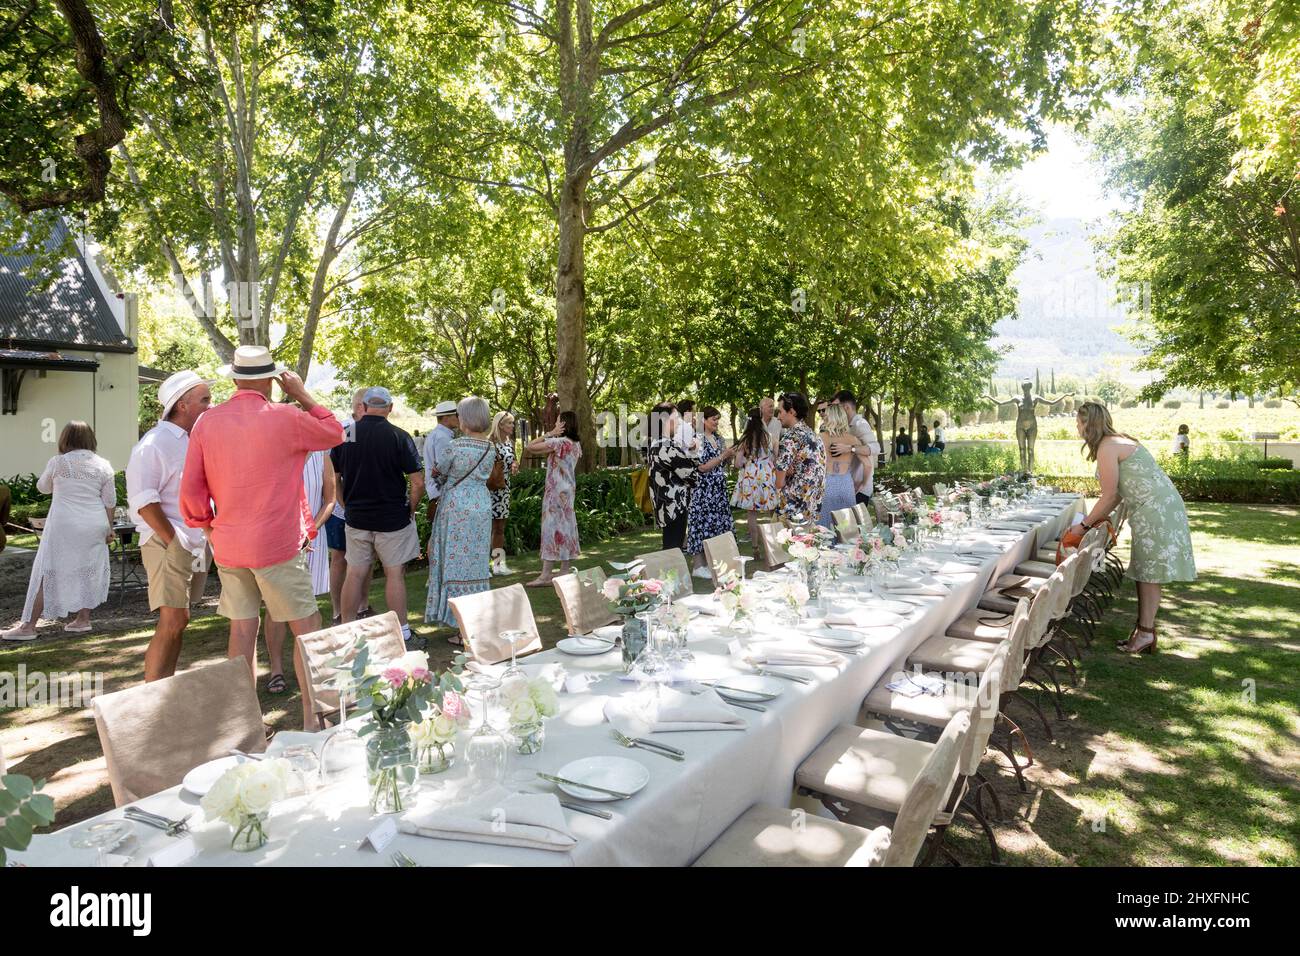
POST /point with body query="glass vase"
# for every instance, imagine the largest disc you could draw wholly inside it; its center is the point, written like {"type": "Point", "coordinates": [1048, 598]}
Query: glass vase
{"type": "Point", "coordinates": [529, 736]}
{"type": "Point", "coordinates": [634, 638]}
{"type": "Point", "coordinates": [437, 758]}
{"type": "Point", "coordinates": [250, 833]}
{"type": "Point", "coordinates": [391, 769]}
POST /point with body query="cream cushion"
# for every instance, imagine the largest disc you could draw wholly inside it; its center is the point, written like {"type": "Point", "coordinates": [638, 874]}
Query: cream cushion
{"type": "Point", "coordinates": [946, 654]}
{"type": "Point", "coordinates": [924, 708]}
{"type": "Point", "coordinates": [872, 768]}
{"type": "Point", "coordinates": [1037, 569]}
{"type": "Point", "coordinates": [980, 625]}
{"type": "Point", "coordinates": [773, 836]}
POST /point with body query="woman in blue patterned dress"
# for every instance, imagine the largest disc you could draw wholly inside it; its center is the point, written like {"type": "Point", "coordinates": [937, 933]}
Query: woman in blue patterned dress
{"type": "Point", "coordinates": [462, 525]}
{"type": "Point", "coordinates": [710, 512]}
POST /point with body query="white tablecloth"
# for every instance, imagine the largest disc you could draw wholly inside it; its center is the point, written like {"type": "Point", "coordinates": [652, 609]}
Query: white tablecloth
{"type": "Point", "coordinates": [679, 813]}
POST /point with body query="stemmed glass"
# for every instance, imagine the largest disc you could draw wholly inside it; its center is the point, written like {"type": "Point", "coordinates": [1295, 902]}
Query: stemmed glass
{"type": "Point", "coordinates": [343, 740]}
{"type": "Point", "coordinates": [102, 837]}
{"type": "Point", "coordinates": [514, 638]}
{"type": "Point", "coordinates": [485, 753]}
{"type": "Point", "coordinates": [650, 663]}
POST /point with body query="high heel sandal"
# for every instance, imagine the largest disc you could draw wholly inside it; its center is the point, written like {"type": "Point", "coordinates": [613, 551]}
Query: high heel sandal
{"type": "Point", "coordinates": [1130, 648]}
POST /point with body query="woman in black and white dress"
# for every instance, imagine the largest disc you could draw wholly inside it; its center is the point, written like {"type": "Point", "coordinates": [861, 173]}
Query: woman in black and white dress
{"type": "Point", "coordinates": [672, 475]}
{"type": "Point", "coordinates": [503, 436]}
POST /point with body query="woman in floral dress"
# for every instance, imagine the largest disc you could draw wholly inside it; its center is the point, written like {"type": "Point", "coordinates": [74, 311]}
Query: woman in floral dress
{"type": "Point", "coordinates": [710, 513]}
{"type": "Point", "coordinates": [559, 521]}
{"type": "Point", "coordinates": [462, 525]}
{"type": "Point", "coordinates": [755, 478]}
{"type": "Point", "coordinates": [503, 437]}
{"type": "Point", "coordinates": [673, 474]}
{"type": "Point", "coordinates": [1161, 537]}
{"type": "Point", "coordinates": [800, 462]}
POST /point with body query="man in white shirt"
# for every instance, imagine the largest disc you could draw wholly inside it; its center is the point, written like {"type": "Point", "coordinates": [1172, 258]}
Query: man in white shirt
{"type": "Point", "coordinates": [437, 440]}
{"type": "Point", "coordinates": [766, 409]}
{"type": "Point", "coordinates": [174, 555]}
{"type": "Point", "coordinates": [938, 440]}
{"type": "Point", "coordinates": [865, 447]}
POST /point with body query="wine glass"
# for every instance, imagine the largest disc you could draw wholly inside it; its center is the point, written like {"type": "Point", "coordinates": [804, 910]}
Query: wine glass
{"type": "Point", "coordinates": [102, 837]}
{"type": "Point", "coordinates": [650, 664]}
{"type": "Point", "coordinates": [304, 767]}
{"type": "Point", "coordinates": [486, 752]}
{"type": "Point", "coordinates": [343, 749]}
{"type": "Point", "coordinates": [514, 639]}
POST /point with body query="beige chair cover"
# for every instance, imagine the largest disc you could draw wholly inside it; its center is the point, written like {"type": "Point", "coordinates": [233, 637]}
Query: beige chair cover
{"type": "Point", "coordinates": [383, 636]}
{"type": "Point", "coordinates": [721, 550]}
{"type": "Point", "coordinates": [483, 616]}
{"type": "Point", "coordinates": [660, 564]}
{"type": "Point", "coordinates": [155, 733]}
{"type": "Point", "coordinates": [585, 607]}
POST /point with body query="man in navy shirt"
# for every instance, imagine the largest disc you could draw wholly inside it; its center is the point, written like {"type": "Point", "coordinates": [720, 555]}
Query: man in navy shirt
{"type": "Point", "coordinates": [380, 484]}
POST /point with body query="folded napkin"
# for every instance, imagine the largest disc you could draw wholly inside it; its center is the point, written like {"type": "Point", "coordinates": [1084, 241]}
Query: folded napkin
{"type": "Point", "coordinates": [532, 820]}
{"type": "Point", "coordinates": [671, 711]}
{"type": "Point", "coordinates": [948, 567]}
{"type": "Point", "coordinates": [863, 617]}
{"type": "Point", "coordinates": [1010, 525]}
{"type": "Point", "coordinates": [926, 585]}
{"type": "Point", "coordinates": [704, 603]}
{"type": "Point", "coordinates": [979, 548]}
{"type": "Point", "coordinates": [782, 656]}
{"type": "Point", "coordinates": [609, 632]}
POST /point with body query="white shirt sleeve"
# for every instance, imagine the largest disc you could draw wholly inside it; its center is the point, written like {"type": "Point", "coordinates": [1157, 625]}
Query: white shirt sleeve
{"type": "Point", "coordinates": [143, 477]}
{"type": "Point", "coordinates": [45, 483]}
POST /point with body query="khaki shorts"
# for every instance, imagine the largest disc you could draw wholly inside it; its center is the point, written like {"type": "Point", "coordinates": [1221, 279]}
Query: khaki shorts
{"type": "Point", "coordinates": [176, 576]}
{"type": "Point", "coordinates": [392, 547]}
{"type": "Point", "coordinates": [285, 587]}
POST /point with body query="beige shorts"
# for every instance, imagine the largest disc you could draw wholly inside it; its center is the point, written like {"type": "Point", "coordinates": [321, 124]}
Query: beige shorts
{"type": "Point", "coordinates": [285, 587]}
{"type": "Point", "coordinates": [392, 547]}
{"type": "Point", "coordinates": [176, 576]}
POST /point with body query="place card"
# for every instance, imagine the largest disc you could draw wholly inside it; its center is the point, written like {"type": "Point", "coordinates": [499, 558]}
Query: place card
{"type": "Point", "coordinates": [382, 835]}
{"type": "Point", "coordinates": [734, 647]}
{"type": "Point", "coordinates": [175, 853]}
{"type": "Point", "coordinates": [578, 683]}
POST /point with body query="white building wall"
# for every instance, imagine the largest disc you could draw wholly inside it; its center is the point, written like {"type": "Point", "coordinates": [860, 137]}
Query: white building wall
{"type": "Point", "coordinates": [107, 400]}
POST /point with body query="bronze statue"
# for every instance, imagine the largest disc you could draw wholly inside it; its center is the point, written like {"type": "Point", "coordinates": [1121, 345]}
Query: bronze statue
{"type": "Point", "coordinates": [1027, 421]}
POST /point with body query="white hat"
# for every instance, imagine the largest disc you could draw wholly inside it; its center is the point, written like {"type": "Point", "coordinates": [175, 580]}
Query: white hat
{"type": "Point", "coordinates": [444, 408]}
{"type": "Point", "coordinates": [175, 386]}
{"type": "Point", "coordinates": [252, 361]}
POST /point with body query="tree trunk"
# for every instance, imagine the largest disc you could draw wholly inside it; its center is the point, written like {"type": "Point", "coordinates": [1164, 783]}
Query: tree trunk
{"type": "Point", "coordinates": [571, 317]}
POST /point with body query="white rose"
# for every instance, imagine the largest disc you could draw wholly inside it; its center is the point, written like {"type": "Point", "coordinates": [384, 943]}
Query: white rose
{"type": "Point", "coordinates": [222, 798]}
{"type": "Point", "coordinates": [729, 601]}
{"type": "Point", "coordinates": [544, 699]}
{"type": "Point", "coordinates": [747, 602]}
{"type": "Point", "coordinates": [258, 791]}
{"type": "Point", "coordinates": [514, 689]}
{"type": "Point", "coordinates": [523, 711]}
{"type": "Point", "coordinates": [442, 729]}
{"type": "Point", "coordinates": [412, 660]}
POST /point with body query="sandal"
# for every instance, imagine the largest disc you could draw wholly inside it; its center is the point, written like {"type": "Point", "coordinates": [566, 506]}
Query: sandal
{"type": "Point", "coordinates": [1131, 647]}
{"type": "Point", "coordinates": [455, 641]}
{"type": "Point", "coordinates": [538, 583]}
{"type": "Point", "coordinates": [277, 684]}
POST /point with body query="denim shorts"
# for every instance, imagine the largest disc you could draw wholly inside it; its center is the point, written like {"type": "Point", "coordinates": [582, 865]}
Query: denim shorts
{"type": "Point", "coordinates": [335, 533]}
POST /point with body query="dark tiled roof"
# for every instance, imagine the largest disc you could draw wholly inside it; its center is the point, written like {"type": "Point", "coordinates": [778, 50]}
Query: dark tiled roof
{"type": "Point", "coordinates": [70, 313]}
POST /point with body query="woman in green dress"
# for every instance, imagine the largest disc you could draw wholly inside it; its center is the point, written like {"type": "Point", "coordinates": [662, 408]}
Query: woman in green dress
{"type": "Point", "coordinates": [1161, 540]}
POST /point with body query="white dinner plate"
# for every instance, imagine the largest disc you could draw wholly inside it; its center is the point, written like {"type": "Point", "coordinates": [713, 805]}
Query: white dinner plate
{"type": "Point", "coordinates": [584, 646]}
{"type": "Point", "coordinates": [201, 779]}
{"type": "Point", "coordinates": [894, 607]}
{"type": "Point", "coordinates": [612, 773]}
{"type": "Point", "coordinates": [840, 640]}
{"type": "Point", "coordinates": [748, 688]}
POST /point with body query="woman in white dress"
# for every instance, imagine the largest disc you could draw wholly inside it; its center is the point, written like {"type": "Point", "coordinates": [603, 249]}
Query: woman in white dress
{"type": "Point", "coordinates": [70, 575]}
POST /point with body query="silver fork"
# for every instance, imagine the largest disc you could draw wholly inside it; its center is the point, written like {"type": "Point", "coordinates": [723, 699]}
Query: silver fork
{"type": "Point", "coordinates": [764, 672]}
{"type": "Point", "coordinates": [627, 741]}
{"type": "Point", "coordinates": [173, 827]}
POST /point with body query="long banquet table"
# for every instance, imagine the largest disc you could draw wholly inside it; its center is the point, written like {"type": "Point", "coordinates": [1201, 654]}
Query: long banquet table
{"type": "Point", "coordinates": [670, 822]}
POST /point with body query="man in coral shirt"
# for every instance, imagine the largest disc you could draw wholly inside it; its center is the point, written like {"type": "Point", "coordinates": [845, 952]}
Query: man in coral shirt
{"type": "Point", "coordinates": [242, 484]}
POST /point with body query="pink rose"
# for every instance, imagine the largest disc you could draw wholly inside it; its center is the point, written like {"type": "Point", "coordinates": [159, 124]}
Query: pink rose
{"type": "Point", "coordinates": [395, 676]}
{"type": "Point", "coordinates": [420, 675]}
{"type": "Point", "coordinates": [653, 587]}
{"type": "Point", "coordinates": [454, 706]}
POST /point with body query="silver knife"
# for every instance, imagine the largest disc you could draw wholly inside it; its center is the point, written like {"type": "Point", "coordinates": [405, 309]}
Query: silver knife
{"type": "Point", "coordinates": [578, 807]}
{"type": "Point", "coordinates": [655, 743]}
{"type": "Point", "coordinates": [585, 786]}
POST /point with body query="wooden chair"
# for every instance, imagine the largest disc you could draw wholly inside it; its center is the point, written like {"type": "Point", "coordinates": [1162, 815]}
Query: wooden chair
{"type": "Point", "coordinates": [585, 607]}
{"type": "Point", "coordinates": [662, 564]}
{"type": "Point", "coordinates": [154, 734]}
{"type": "Point", "coordinates": [766, 836]}
{"type": "Point", "coordinates": [722, 550]}
{"type": "Point", "coordinates": [383, 637]}
{"type": "Point", "coordinates": [483, 616]}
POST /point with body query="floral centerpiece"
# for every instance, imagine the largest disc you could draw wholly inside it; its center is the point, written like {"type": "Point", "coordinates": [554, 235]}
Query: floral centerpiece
{"type": "Point", "coordinates": [629, 596]}
{"type": "Point", "coordinates": [434, 736]}
{"type": "Point", "coordinates": [794, 594]}
{"type": "Point", "coordinates": [734, 596]}
{"type": "Point", "coordinates": [808, 546]}
{"type": "Point", "coordinates": [860, 557]}
{"type": "Point", "coordinates": [910, 512]}
{"type": "Point", "coordinates": [529, 702]}
{"type": "Point", "coordinates": [242, 797]}
{"type": "Point", "coordinates": [393, 696]}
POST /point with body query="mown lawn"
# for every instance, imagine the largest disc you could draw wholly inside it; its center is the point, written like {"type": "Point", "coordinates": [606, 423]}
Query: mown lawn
{"type": "Point", "coordinates": [1190, 757]}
